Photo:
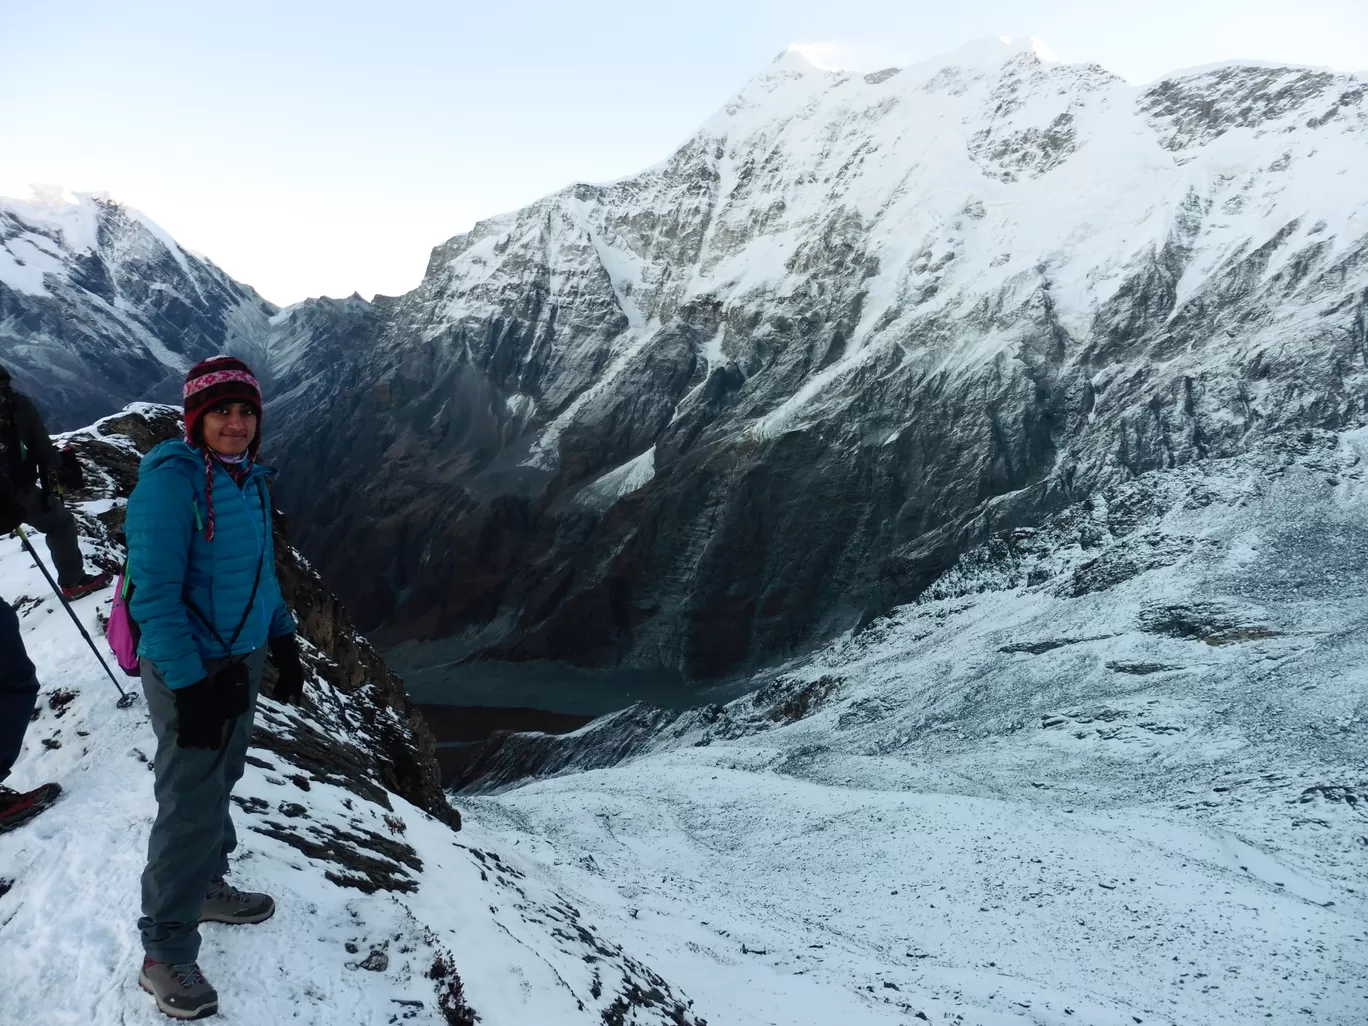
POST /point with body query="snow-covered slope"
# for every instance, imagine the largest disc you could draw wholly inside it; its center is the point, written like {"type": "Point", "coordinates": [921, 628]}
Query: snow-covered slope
{"type": "Point", "coordinates": [1114, 770]}
{"type": "Point", "coordinates": [99, 306]}
{"type": "Point", "coordinates": [843, 317]}
{"type": "Point", "coordinates": [386, 914]}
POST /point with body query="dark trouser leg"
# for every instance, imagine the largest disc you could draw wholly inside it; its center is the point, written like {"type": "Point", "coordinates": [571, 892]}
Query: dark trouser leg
{"type": "Point", "coordinates": [18, 689]}
{"type": "Point", "coordinates": [59, 526]}
{"type": "Point", "coordinates": [192, 832]}
{"type": "Point", "coordinates": [235, 762]}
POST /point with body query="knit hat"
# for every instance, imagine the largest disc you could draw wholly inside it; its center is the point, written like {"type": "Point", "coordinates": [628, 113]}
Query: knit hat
{"type": "Point", "coordinates": [218, 380]}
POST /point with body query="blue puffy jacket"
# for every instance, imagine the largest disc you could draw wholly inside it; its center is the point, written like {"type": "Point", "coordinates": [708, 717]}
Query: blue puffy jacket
{"type": "Point", "coordinates": [170, 560]}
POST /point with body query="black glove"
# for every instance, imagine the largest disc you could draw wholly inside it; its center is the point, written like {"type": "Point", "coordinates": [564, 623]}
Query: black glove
{"type": "Point", "coordinates": [200, 714]}
{"type": "Point", "coordinates": [234, 686]}
{"type": "Point", "coordinates": [285, 657]}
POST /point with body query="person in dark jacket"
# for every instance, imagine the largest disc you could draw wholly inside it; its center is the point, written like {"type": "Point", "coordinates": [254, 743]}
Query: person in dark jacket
{"type": "Point", "coordinates": [30, 465]}
{"type": "Point", "coordinates": [18, 697]}
{"type": "Point", "coordinates": [205, 595]}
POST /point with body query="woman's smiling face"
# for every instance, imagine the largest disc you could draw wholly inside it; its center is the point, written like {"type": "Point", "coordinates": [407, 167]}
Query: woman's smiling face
{"type": "Point", "coordinates": [230, 427]}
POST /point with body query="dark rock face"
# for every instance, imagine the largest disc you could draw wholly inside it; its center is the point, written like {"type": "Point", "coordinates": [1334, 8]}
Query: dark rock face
{"type": "Point", "coordinates": [508, 757]}
{"type": "Point", "coordinates": [705, 417]}
{"type": "Point", "coordinates": [99, 307]}
{"type": "Point", "coordinates": [1201, 108]}
{"type": "Point", "coordinates": [404, 753]}
{"type": "Point", "coordinates": [390, 747]}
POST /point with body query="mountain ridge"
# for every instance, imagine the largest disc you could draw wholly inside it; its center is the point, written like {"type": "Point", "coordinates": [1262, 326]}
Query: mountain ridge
{"type": "Point", "coordinates": [100, 306]}
{"type": "Point", "coordinates": [704, 416]}
{"type": "Point", "coordinates": [824, 253]}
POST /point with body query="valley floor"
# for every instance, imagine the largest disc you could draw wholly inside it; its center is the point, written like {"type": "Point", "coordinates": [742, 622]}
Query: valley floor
{"type": "Point", "coordinates": [777, 900]}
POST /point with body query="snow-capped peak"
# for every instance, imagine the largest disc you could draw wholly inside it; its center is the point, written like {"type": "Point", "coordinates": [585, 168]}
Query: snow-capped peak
{"type": "Point", "coordinates": [74, 216]}
{"type": "Point", "coordinates": [1198, 70]}
{"type": "Point", "coordinates": [986, 54]}
{"type": "Point", "coordinates": [83, 265]}
{"type": "Point", "coordinates": [793, 58]}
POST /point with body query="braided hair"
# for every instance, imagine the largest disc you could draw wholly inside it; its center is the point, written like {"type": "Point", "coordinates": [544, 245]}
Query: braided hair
{"type": "Point", "coordinates": [211, 383]}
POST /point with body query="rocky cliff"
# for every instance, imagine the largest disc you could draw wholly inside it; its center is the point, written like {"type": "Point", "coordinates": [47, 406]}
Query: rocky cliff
{"type": "Point", "coordinates": [706, 416]}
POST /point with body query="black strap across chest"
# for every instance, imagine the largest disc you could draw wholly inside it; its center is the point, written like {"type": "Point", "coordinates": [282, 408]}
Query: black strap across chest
{"type": "Point", "coordinates": [251, 599]}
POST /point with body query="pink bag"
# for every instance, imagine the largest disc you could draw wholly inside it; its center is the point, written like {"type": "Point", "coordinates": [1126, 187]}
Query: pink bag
{"type": "Point", "coordinates": [122, 630]}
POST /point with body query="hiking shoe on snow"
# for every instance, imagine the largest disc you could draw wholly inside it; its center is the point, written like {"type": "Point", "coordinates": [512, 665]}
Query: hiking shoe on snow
{"type": "Point", "coordinates": [85, 586]}
{"type": "Point", "coordinates": [17, 809]}
{"type": "Point", "coordinates": [226, 904]}
{"type": "Point", "coordinates": [181, 991]}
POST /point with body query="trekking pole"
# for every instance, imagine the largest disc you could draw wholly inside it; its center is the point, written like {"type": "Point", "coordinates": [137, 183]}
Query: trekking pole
{"type": "Point", "coordinates": [125, 698]}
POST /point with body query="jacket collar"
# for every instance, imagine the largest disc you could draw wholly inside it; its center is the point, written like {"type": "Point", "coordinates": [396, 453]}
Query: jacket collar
{"type": "Point", "coordinates": [178, 449]}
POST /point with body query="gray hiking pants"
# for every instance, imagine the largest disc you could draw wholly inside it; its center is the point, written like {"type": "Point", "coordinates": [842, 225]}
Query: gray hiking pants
{"type": "Point", "coordinates": [59, 527]}
{"type": "Point", "coordinates": [193, 833]}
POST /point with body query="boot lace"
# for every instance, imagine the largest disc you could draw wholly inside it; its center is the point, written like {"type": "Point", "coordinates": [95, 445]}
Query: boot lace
{"type": "Point", "coordinates": [188, 975]}
{"type": "Point", "coordinates": [222, 890]}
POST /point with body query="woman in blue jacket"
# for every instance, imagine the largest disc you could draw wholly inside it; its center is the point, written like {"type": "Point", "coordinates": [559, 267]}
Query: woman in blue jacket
{"type": "Point", "coordinates": [206, 597]}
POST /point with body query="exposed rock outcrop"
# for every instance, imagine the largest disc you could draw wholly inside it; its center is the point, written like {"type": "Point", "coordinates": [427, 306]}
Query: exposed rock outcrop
{"type": "Point", "coordinates": [386, 746]}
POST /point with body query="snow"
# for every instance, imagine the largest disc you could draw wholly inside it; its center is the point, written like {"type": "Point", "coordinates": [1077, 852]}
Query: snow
{"type": "Point", "coordinates": [75, 217]}
{"type": "Point", "coordinates": [64, 223]}
{"type": "Point", "coordinates": [986, 54]}
{"type": "Point", "coordinates": [72, 221]}
{"type": "Point", "coordinates": [23, 263]}
{"type": "Point", "coordinates": [164, 237]}
{"type": "Point", "coordinates": [284, 314]}
{"type": "Point", "coordinates": [68, 922]}
{"type": "Point", "coordinates": [605, 490]}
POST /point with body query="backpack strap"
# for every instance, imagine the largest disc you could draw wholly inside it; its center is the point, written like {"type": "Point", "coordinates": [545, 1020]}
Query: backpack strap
{"type": "Point", "coordinates": [251, 599]}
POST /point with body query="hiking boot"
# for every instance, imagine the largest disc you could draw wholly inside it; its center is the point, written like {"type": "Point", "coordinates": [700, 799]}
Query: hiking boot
{"type": "Point", "coordinates": [17, 809]}
{"type": "Point", "coordinates": [226, 904]}
{"type": "Point", "coordinates": [181, 991]}
{"type": "Point", "coordinates": [87, 584]}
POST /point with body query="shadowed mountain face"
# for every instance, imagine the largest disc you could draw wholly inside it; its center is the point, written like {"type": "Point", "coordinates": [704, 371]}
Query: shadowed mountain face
{"type": "Point", "coordinates": [704, 417]}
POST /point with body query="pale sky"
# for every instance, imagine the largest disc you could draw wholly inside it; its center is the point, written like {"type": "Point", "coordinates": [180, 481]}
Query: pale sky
{"type": "Point", "coordinates": [315, 148]}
